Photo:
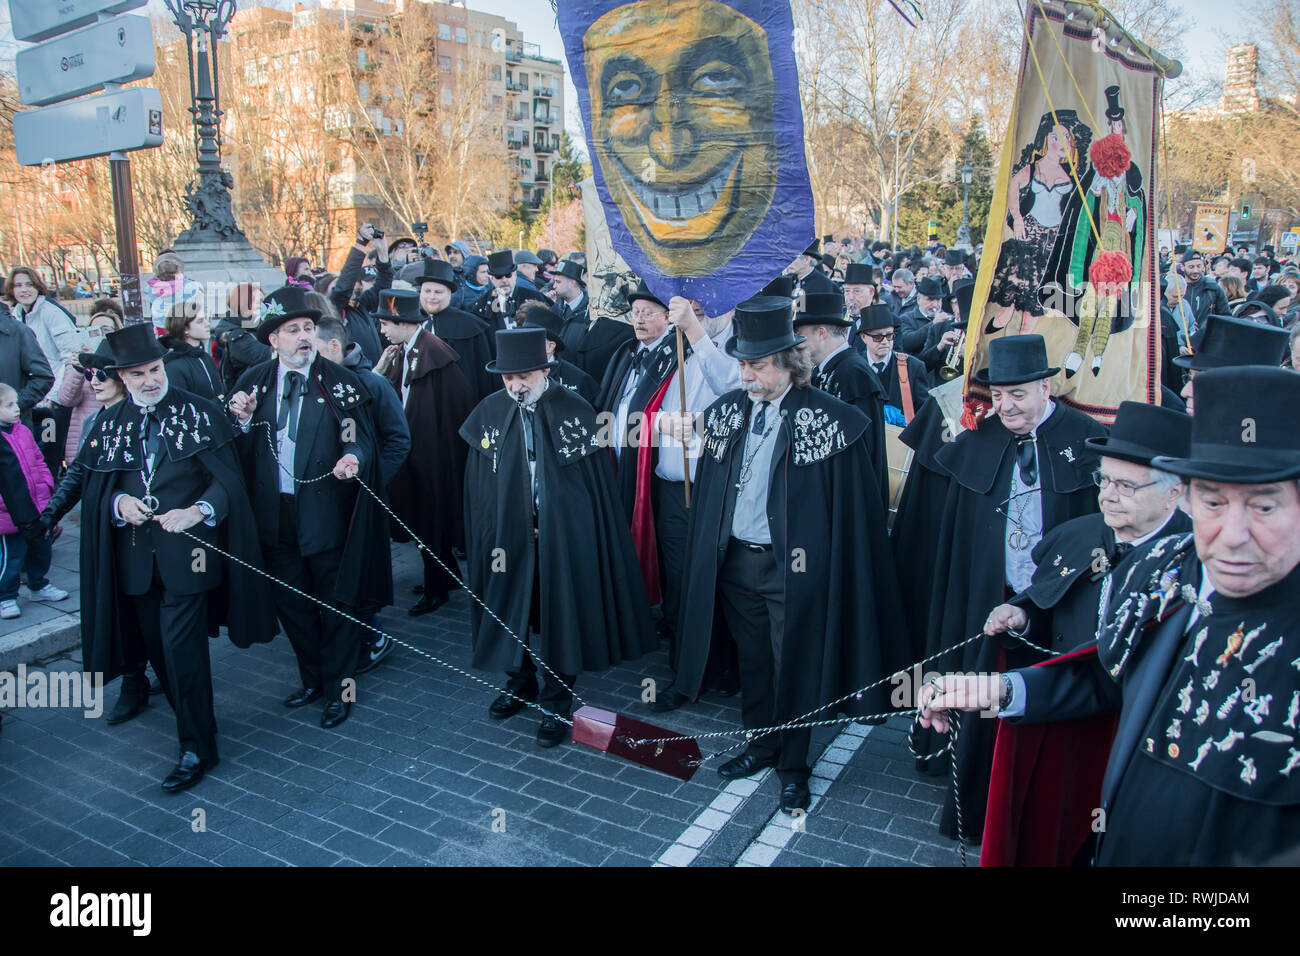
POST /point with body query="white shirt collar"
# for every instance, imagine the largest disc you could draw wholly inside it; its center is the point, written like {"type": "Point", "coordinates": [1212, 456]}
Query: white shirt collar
{"type": "Point", "coordinates": [1152, 534]}
{"type": "Point", "coordinates": [642, 347]}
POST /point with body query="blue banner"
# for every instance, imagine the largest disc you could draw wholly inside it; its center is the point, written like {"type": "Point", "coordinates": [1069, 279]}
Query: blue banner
{"type": "Point", "coordinates": [695, 130]}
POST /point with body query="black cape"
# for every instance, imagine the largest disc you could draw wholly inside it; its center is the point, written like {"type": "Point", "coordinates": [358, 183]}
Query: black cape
{"type": "Point", "coordinates": [473, 344]}
{"type": "Point", "coordinates": [970, 574]}
{"type": "Point", "coordinates": [595, 350]}
{"type": "Point", "coordinates": [593, 604]}
{"type": "Point", "coordinates": [849, 377]}
{"type": "Point", "coordinates": [828, 532]}
{"type": "Point", "coordinates": [568, 374]}
{"type": "Point", "coordinates": [242, 601]}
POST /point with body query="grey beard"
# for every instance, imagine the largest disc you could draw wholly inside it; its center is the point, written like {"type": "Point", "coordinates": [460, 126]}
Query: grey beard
{"type": "Point", "coordinates": [525, 397]}
{"type": "Point", "coordinates": [292, 359]}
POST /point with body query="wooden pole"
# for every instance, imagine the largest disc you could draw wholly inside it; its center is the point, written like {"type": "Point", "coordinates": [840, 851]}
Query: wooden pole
{"type": "Point", "coordinates": [681, 391]}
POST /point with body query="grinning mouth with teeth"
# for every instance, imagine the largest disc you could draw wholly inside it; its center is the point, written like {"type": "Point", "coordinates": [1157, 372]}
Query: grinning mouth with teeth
{"type": "Point", "coordinates": [678, 204]}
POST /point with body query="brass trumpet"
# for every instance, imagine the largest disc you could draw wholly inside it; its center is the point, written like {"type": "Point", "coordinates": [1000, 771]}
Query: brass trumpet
{"type": "Point", "coordinates": [953, 359]}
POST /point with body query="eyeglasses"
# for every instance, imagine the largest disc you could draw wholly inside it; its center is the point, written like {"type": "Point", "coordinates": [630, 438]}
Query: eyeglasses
{"type": "Point", "coordinates": [1125, 489]}
{"type": "Point", "coordinates": [880, 337]}
{"type": "Point", "coordinates": [95, 374]}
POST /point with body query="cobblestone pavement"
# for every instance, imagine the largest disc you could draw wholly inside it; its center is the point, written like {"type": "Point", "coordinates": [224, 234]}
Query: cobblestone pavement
{"type": "Point", "coordinates": [420, 776]}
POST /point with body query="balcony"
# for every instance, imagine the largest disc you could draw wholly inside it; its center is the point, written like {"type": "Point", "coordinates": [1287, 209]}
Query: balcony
{"type": "Point", "coordinates": [542, 145]}
{"type": "Point", "coordinates": [516, 86]}
{"type": "Point", "coordinates": [542, 177]}
{"type": "Point", "coordinates": [513, 53]}
{"type": "Point", "coordinates": [547, 91]}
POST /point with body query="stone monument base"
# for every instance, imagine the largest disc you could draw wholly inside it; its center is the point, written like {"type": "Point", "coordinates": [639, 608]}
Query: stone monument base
{"type": "Point", "coordinates": [220, 266]}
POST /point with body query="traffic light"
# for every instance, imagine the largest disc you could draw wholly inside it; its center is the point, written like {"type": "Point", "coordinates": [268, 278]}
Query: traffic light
{"type": "Point", "coordinates": [1245, 211]}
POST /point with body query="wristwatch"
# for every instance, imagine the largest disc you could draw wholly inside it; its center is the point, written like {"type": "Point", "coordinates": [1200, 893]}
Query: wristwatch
{"type": "Point", "coordinates": [1008, 691]}
{"type": "Point", "coordinates": [205, 509]}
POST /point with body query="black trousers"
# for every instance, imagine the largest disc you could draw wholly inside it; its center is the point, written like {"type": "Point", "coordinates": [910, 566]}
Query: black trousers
{"type": "Point", "coordinates": [174, 635]}
{"type": "Point", "coordinates": [529, 678]}
{"type": "Point", "coordinates": [437, 582]}
{"type": "Point", "coordinates": [752, 595]}
{"type": "Point", "coordinates": [671, 521]}
{"type": "Point", "coordinates": [327, 645]}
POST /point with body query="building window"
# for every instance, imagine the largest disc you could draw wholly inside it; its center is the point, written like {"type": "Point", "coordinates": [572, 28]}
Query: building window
{"type": "Point", "coordinates": [446, 129]}
{"type": "Point", "coordinates": [444, 31]}
{"type": "Point", "coordinates": [496, 72]}
{"type": "Point", "coordinates": [363, 91]}
{"type": "Point", "coordinates": [361, 59]}
{"type": "Point", "coordinates": [444, 64]}
{"type": "Point", "coordinates": [461, 35]}
{"type": "Point", "coordinates": [446, 96]}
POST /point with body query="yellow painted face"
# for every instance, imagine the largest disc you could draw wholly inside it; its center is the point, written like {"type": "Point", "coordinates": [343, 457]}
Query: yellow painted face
{"type": "Point", "coordinates": [682, 99]}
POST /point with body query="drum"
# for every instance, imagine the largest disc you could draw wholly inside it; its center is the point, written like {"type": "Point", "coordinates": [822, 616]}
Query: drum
{"type": "Point", "coordinates": [900, 463]}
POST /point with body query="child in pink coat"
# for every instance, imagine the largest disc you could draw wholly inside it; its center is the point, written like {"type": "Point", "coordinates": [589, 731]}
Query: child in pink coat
{"type": "Point", "coordinates": [25, 488]}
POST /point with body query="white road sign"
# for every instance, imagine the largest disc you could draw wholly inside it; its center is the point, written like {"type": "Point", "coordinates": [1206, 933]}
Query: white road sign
{"type": "Point", "coordinates": [42, 19]}
{"type": "Point", "coordinates": [113, 51]}
{"type": "Point", "coordinates": [113, 122]}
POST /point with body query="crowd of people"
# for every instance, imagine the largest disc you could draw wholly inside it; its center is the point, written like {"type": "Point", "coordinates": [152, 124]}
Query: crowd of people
{"type": "Point", "coordinates": [601, 491]}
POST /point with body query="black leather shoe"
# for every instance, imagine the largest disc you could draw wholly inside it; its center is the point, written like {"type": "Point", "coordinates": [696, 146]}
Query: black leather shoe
{"type": "Point", "coordinates": [188, 772]}
{"type": "Point", "coordinates": [795, 796]}
{"type": "Point", "coordinates": [428, 604]}
{"type": "Point", "coordinates": [336, 711]}
{"type": "Point", "coordinates": [507, 706]}
{"type": "Point", "coordinates": [303, 697]}
{"type": "Point", "coordinates": [668, 700]}
{"type": "Point", "coordinates": [551, 732]}
{"type": "Point", "coordinates": [127, 706]}
{"type": "Point", "coordinates": [746, 765]}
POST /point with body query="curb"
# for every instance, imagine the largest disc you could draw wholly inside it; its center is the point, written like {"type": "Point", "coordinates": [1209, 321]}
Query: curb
{"type": "Point", "coordinates": [40, 641]}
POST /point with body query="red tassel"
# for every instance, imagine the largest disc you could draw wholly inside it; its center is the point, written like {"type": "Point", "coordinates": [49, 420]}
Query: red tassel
{"type": "Point", "coordinates": [1110, 155]}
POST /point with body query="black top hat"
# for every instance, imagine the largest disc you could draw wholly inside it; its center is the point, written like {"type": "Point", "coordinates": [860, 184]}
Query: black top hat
{"type": "Point", "coordinates": [1229, 342]}
{"type": "Point", "coordinates": [501, 264]}
{"type": "Point", "coordinates": [877, 316]}
{"type": "Point", "coordinates": [828, 238]}
{"type": "Point", "coordinates": [287, 302]}
{"type": "Point", "coordinates": [764, 326]}
{"type": "Point", "coordinates": [814, 250]}
{"type": "Point", "coordinates": [1222, 449]}
{"type": "Point", "coordinates": [782, 285]}
{"type": "Point", "coordinates": [954, 257]}
{"type": "Point", "coordinates": [549, 321]}
{"type": "Point", "coordinates": [1016, 359]}
{"type": "Point", "coordinates": [135, 344]}
{"type": "Point", "coordinates": [828, 261]}
{"type": "Point", "coordinates": [399, 305]}
{"type": "Point", "coordinates": [570, 270]}
{"type": "Point", "coordinates": [519, 351]}
{"type": "Point", "coordinates": [643, 292]}
{"type": "Point", "coordinates": [820, 308]}
{"type": "Point", "coordinates": [436, 270]}
{"type": "Point", "coordinates": [1113, 110]}
{"type": "Point", "coordinates": [1142, 432]}
{"type": "Point", "coordinates": [859, 273]}
{"type": "Point", "coordinates": [932, 287]}
{"type": "Point", "coordinates": [963, 292]}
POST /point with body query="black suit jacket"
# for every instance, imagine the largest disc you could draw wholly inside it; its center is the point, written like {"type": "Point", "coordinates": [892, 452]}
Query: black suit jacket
{"type": "Point", "coordinates": [598, 345]}
{"type": "Point", "coordinates": [917, 379]}
{"type": "Point", "coordinates": [325, 506]}
{"type": "Point", "coordinates": [816, 281]}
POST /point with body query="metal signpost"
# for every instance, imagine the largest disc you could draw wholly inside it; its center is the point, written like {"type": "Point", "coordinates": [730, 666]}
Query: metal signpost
{"type": "Point", "coordinates": [85, 47]}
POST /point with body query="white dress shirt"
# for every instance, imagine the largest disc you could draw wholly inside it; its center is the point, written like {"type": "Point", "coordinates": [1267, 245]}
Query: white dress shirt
{"type": "Point", "coordinates": [286, 447]}
{"type": "Point", "coordinates": [710, 374]}
{"type": "Point", "coordinates": [749, 521]}
{"type": "Point", "coordinates": [630, 384]}
{"type": "Point", "coordinates": [1025, 512]}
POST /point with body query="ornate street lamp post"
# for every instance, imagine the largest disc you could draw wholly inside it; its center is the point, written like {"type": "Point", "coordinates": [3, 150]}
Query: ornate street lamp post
{"type": "Point", "coordinates": [963, 231]}
{"type": "Point", "coordinates": [204, 23]}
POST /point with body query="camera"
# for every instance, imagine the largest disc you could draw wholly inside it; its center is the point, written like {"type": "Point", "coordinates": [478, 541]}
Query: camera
{"type": "Point", "coordinates": [378, 234]}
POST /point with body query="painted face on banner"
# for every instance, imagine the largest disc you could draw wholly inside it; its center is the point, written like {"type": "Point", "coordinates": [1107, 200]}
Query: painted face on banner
{"type": "Point", "coordinates": [682, 119]}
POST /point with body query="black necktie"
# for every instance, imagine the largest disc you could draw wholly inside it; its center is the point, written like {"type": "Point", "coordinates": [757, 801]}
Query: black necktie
{"type": "Point", "coordinates": [639, 360]}
{"type": "Point", "coordinates": [1027, 460]}
{"type": "Point", "coordinates": [1122, 548]}
{"type": "Point", "coordinates": [293, 387]}
{"type": "Point", "coordinates": [880, 369]}
{"type": "Point", "coordinates": [760, 417]}
{"type": "Point", "coordinates": [152, 434]}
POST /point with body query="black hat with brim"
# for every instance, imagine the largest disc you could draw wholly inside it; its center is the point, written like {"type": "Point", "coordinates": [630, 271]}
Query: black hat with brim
{"type": "Point", "coordinates": [399, 305]}
{"type": "Point", "coordinates": [549, 321]}
{"type": "Point", "coordinates": [814, 250]}
{"type": "Point", "coordinates": [501, 264]}
{"type": "Point", "coordinates": [1227, 342]}
{"type": "Point", "coordinates": [954, 257]}
{"type": "Point", "coordinates": [1222, 448]}
{"type": "Point", "coordinates": [1142, 432]}
{"type": "Point", "coordinates": [963, 292]}
{"type": "Point", "coordinates": [643, 292]}
{"type": "Point", "coordinates": [132, 345]}
{"type": "Point", "coordinates": [764, 325]}
{"type": "Point", "coordinates": [782, 285]}
{"type": "Point", "coordinates": [101, 358]}
{"type": "Point", "coordinates": [877, 316]}
{"type": "Point", "coordinates": [1016, 359]}
{"type": "Point", "coordinates": [520, 351]}
{"type": "Point", "coordinates": [399, 241]}
{"type": "Point", "coordinates": [283, 305]}
{"type": "Point", "coordinates": [859, 273]}
{"type": "Point", "coordinates": [932, 287]}
{"type": "Point", "coordinates": [820, 308]}
{"type": "Point", "coordinates": [570, 270]}
{"type": "Point", "coordinates": [436, 270]}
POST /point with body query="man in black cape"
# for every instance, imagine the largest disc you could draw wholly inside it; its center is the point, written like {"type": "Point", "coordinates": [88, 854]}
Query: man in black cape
{"type": "Point", "coordinates": [536, 315]}
{"type": "Point", "coordinates": [787, 526]}
{"type": "Point", "coordinates": [307, 430]}
{"type": "Point", "coordinates": [548, 547]}
{"type": "Point", "coordinates": [1021, 473]}
{"type": "Point", "coordinates": [498, 305]}
{"type": "Point", "coordinates": [1075, 561]}
{"type": "Point", "coordinates": [467, 334]}
{"type": "Point", "coordinates": [161, 472]}
{"type": "Point", "coordinates": [841, 372]}
{"type": "Point", "coordinates": [1196, 657]}
{"type": "Point", "coordinates": [426, 493]}
{"type": "Point", "coordinates": [634, 377]}
{"type": "Point", "coordinates": [807, 273]}
{"type": "Point", "coordinates": [878, 330]}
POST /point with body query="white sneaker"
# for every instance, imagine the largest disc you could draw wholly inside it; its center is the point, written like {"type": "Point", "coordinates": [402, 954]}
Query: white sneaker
{"type": "Point", "coordinates": [9, 609]}
{"type": "Point", "coordinates": [49, 593]}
